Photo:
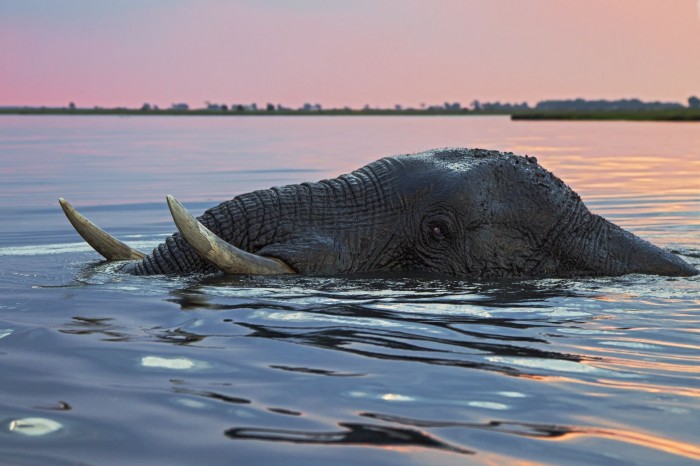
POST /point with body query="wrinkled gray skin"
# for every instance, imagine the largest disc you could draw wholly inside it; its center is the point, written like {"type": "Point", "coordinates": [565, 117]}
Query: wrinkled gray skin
{"type": "Point", "coordinates": [454, 212]}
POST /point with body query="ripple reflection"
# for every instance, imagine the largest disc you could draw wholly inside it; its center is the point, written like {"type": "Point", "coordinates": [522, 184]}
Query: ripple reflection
{"type": "Point", "coordinates": [556, 432]}
{"type": "Point", "coordinates": [369, 435]}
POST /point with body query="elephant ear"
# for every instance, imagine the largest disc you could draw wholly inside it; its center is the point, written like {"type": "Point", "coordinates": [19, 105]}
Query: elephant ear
{"type": "Point", "coordinates": [309, 254]}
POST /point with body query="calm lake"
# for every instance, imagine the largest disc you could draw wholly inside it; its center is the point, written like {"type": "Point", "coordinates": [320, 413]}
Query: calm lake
{"type": "Point", "coordinates": [99, 368]}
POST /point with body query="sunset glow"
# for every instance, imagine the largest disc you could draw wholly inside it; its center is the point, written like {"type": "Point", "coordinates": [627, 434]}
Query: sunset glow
{"type": "Point", "coordinates": [379, 53]}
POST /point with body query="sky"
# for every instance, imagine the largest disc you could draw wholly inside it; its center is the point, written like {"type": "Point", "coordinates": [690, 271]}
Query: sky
{"type": "Point", "coordinates": [345, 52]}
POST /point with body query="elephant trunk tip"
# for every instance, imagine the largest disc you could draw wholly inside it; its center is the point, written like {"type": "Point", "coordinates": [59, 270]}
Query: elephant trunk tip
{"type": "Point", "coordinates": [643, 257]}
{"type": "Point", "coordinates": [674, 266]}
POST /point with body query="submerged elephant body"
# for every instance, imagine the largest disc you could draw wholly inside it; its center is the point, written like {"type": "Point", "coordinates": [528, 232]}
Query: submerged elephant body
{"type": "Point", "coordinates": [453, 212]}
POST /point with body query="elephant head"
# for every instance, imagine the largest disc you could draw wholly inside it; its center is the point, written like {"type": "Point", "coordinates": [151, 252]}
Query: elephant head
{"type": "Point", "coordinates": [453, 212]}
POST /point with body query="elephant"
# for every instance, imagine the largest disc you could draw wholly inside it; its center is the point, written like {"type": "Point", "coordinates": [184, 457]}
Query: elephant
{"type": "Point", "coordinates": [454, 212]}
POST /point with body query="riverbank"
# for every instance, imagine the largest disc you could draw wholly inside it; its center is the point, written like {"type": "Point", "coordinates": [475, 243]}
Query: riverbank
{"type": "Point", "coordinates": [681, 114]}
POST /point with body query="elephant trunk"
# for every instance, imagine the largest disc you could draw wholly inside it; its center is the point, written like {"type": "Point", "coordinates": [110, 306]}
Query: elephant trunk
{"type": "Point", "coordinates": [627, 253]}
{"type": "Point", "coordinates": [306, 226]}
{"type": "Point", "coordinates": [596, 246]}
{"type": "Point", "coordinates": [175, 255]}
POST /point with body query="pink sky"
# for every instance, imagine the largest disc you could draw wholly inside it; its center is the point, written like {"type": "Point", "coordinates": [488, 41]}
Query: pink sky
{"type": "Point", "coordinates": [355, 52]}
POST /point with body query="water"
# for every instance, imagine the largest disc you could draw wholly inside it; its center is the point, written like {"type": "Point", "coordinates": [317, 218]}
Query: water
{"type": "Point", "coordinates": [101, 368]}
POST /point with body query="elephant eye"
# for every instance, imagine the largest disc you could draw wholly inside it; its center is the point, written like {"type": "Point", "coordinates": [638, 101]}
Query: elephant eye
{"type": "Point", "coordinates": [437, 232]}
{"type": "Point", "coordinates": [436, 228]}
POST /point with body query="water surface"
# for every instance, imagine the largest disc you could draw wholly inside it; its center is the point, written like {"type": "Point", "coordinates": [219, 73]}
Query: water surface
{"type": "Point", "coordinates": [101, 368]}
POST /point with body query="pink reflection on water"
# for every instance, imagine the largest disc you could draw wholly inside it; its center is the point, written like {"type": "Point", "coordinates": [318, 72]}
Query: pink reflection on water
{"type": "Point", "coordinates": [643, 175]}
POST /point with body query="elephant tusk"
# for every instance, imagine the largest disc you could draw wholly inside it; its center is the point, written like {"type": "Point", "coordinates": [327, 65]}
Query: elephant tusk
{"type": "Point", "coordinates": [225, 256]}
{"type": "Point", "coordinates": [102, 242]}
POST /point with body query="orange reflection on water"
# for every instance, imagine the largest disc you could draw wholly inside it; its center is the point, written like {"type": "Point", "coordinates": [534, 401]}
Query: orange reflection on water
{"type": "Point", "coordinates": [490, 459]}
{"type": "Point", "coordinates": [672, 344]}
{"type": "Point", "coordinates": [646, 387]}
{"type": "Point", "coordinates": [646, 178]}
{"type": "Point", "coordinates": [674, 447]}
{"type": "Point", "coordinates": [619, 434]}
{"type": "Point", "coordinates": [615, 384]}
{"type": "Point", "coordinates": [615, 298]}
{"type": "Point", "coordinates": [641, 343]}
{"type": "Point", "coordinates": [627, 364]}
{"type": "Point", "coordinates": [649, 175]}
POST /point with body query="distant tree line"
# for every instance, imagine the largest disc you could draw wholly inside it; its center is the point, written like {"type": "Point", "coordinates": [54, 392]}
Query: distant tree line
{"type": "Point", "coordinates": [498, 106]}
{"type": "Point", "coordinates": [612, 105]}
{"type": "Point", "coordinates": [566, 105]}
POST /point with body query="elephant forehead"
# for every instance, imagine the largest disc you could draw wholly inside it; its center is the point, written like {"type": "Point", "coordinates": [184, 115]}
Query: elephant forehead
{"type": "Point", "coordinates": [474, 180]}
{"type": "Point", "coordinates": [462, 164]}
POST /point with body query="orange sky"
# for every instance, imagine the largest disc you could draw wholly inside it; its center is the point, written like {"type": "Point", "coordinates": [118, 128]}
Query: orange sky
{"type": "Point", "coordinates": [336, 53]}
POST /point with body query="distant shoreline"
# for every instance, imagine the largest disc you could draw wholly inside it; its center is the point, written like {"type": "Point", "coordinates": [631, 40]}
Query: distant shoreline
{"type": "Point", "coordinates": [244, 113]}
{"type": "Point", "coordinates": [682, 114]}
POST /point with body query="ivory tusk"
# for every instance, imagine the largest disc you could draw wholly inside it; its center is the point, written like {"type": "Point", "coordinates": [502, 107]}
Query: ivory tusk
{"type": "Point", "coordinates": [102, 242]}
{"type": "Point", "coordinates": [225, 256]}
